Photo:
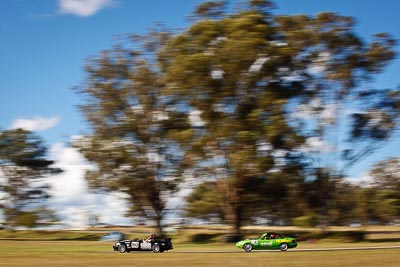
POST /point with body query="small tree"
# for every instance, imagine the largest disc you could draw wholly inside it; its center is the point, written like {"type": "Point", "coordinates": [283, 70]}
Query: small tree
{"type": "Point", "coordinates": [23, 167]}
{"type": "Point", "coordinates": [386, 184]}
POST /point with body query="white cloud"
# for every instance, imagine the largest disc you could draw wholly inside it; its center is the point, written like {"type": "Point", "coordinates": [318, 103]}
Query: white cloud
{"type": "Point", "coordinates": [195, 119]}
{"type": "Point", "coordinates": [329, 113]}
{"type": "Point", "coordinates": [83, 8]}
{"type": "Point", "coordinates": [35, 124]}
{"type": "Point", "coordinates": [319, 65]}
{"type": "Point", "coordinates": [307, 111]}
{"type": "Point", "coordinates": [278, 43]}
{"type": "Point", "coordinates": [217, 74]}
{"type": "Point", "coordinates": [315, 108]}
{"type": "Point", "coordinates": [71, 199]}
{"type": "Point", "coordinates": [264, 146]}
{"type": "Point", "coordinates": [279, 157]}
{"type": "Point", "coordinates": [365, 180]}
{"type": "Point", "coordinates": [257, 65]}
{"type": "Point", "coordinates": [160, 116]}
{"type": "Point", "coordinates": [316, 144]}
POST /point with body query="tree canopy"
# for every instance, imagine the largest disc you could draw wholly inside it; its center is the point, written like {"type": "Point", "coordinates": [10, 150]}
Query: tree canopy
{"type": "Point", "coordinates": [247, 101]}
{"type": "Point", "coordinates": [23, 165]}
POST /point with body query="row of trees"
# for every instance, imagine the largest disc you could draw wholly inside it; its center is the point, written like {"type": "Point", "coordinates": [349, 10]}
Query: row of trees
{"type": "Point", "coordinates": [279, 198]}
{"type": "Point", "coordinates": [266, 112]}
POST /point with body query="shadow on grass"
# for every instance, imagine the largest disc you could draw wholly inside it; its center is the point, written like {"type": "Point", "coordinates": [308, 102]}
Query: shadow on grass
{"type": "Point", "coordinates": [204, 238]}
{"type": "Point", "coordinates": [88, 237]}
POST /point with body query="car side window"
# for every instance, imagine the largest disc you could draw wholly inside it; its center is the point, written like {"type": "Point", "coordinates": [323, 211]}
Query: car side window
{"type": "Point", "coordinates": [272, 236]}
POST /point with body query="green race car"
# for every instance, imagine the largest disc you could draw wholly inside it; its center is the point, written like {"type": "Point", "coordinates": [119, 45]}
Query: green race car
{"type": "Point", "coordinates": [267, 241]}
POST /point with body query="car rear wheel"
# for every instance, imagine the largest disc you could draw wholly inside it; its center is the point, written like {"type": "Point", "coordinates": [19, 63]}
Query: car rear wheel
{"type": "Point", "coordinates": [283, 247]}
{"type": "Point", "coordinates": [156, 248]}
{"type": "Point", "coordinates": [122, 248]}
{"type": "Point", "coordinates": [247, 247]}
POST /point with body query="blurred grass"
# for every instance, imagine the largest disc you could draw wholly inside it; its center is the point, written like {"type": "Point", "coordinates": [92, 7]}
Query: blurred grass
{"type": "Point", "coordinates": [192, 247]}
{"type": "Point", "coordinates": [99, 254]}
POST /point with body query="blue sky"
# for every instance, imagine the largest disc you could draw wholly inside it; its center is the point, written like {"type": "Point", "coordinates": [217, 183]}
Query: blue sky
{"type": "Point", "coordinates": [44, 45]}
{"type": "Point", "coordinates": [43, 48]}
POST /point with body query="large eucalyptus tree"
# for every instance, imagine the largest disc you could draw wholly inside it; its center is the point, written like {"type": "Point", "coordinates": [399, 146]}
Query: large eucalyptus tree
{"type": "Point", "coordinates": [239, 99]}
{"type": "Point", "coordinates": [280, 96]}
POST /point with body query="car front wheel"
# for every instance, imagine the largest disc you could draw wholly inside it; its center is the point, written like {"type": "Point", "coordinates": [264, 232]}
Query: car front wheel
{"type": "Point", "coordinates": [122, 248]}
{"type": "Point", "coordinates": [283, 247]}
{"type": "Point", "coordinates": [156, 248]}
{"type": "Point", "coordinates": [247, 247]}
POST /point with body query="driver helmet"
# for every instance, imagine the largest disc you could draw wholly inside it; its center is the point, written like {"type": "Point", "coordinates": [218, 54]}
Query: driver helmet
{"type": "Point", "coordinates": [272, 235]}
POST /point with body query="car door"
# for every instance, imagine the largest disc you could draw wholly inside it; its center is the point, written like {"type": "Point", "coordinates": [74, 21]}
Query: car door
{"type": "Point", "coordinates": [135, 245]}
{"type": "Point", "coordinates": [266, 243]}
{"type": "Point", "coordinates": [276, 242]}
{"type": "Point", "coordinates": [256, 243]}
{"type": "Point", "coordinates": [145, 245]}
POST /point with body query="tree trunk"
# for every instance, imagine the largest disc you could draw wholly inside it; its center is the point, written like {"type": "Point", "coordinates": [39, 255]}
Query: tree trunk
{"type": "Point", "coordinates": [237, 221]}
{"type": "Point", "coordinates": [158, 220]}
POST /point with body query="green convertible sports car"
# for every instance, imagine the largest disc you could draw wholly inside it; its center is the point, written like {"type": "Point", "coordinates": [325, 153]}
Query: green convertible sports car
{"type": "Point", "coordinates": [267, 241]}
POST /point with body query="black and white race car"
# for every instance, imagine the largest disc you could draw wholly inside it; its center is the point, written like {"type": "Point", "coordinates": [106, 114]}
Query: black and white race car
{"type": "Point", "coordinates": [152, 243]}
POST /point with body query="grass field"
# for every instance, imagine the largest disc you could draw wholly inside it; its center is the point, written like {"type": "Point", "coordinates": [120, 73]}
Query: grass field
{"type": "Point", "coordinates": [80, 248]}
{"type": "Point", "coordinates": [92, 253]}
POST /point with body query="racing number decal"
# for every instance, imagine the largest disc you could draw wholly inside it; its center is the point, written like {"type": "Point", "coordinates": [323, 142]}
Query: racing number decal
{"type": "Point", "coordinates": [135, 244]}
{"type": "Point", "coordinates": [254, 242]}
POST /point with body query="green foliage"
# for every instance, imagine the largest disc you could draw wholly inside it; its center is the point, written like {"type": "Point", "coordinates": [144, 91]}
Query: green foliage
{"type": "Point", "coordinates": [204, 238]}
{"type": "Point", "coordinates": [139, 131]}
{"type": "Point", "coordinates": [23, 165]}
{"type": "Point", "coordinates": [26, 219]}
{"type": "Point", "coordinates": [203, 202]}
{"type": "Point", "coordinates": [239, 100]}
{"type": "Point", "coordinates": [311, 220]}
{"type": "Point", "coordinates": [211, 9]}
{"type": "Point", "coordinates": [386, 183]}
{"type": "Point", "coordinates": [19, 145]}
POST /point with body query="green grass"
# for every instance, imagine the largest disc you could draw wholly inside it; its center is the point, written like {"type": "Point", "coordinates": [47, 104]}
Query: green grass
{"type": "Point", "coordinates": [77, 248]}
{"type": "Point", "coordinates": [91, 253]}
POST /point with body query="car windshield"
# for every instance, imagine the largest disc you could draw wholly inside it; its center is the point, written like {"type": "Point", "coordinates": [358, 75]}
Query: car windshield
{"type": "Point", "coordinates": [269, 236]}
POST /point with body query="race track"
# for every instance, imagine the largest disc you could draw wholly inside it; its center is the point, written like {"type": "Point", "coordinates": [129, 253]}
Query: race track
{"type": "Point", "coordinates": [290, 250]}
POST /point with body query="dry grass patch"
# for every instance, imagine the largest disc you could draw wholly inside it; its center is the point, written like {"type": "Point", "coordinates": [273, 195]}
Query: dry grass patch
{"type": "Point", "coordinates": [85, 253]}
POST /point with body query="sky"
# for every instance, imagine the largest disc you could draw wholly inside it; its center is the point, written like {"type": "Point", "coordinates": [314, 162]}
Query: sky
{"type": "Point", "coordinates": [44, 45]}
